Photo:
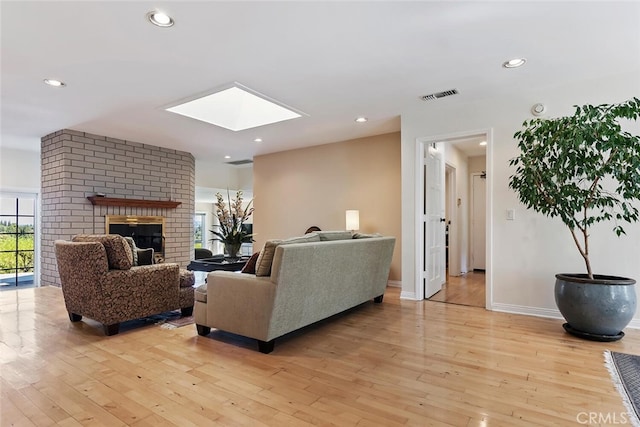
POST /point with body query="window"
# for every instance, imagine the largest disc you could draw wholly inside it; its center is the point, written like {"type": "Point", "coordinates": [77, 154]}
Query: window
{"type": "Point", "coordinates": [17, 241]}
{"type": "Point", "coordinates": [199, 230]}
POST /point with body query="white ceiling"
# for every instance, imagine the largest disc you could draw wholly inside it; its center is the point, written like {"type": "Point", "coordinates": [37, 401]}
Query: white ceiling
{"type": "Point", "coordinates": [332, 60]}
{"type": "Point", "coordinates": [470, 146]}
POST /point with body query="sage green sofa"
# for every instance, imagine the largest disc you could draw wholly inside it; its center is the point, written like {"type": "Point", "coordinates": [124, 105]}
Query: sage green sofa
{"type": "Point", "coordinates": [310, 278]}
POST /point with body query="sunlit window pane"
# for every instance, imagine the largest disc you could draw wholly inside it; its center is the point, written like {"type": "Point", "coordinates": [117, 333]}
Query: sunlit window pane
{"type": "Point", "coordinates": [8, 206]}
{"type": "Point", "coordinates": [26, 207]}
{"type": "Point", "coordinates": [17, 241]}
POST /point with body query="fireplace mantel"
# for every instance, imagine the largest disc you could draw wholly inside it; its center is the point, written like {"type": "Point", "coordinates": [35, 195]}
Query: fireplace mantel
{"type": "Point", "coordinates": [136, 203]}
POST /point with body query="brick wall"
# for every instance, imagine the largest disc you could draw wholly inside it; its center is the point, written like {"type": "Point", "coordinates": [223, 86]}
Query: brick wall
{"type": "Point", "coordinates": [77, 164]}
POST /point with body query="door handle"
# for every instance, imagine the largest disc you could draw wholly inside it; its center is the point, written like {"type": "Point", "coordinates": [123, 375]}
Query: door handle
{"type": "Point", "coordinates": [443, 219]}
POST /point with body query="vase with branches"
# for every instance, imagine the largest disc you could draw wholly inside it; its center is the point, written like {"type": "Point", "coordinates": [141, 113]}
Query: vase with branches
{"type": "Point", "coordinates": [232, 216]}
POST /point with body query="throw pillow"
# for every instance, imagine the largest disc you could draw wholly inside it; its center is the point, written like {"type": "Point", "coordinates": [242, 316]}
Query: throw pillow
{"type": "Point", "coordinates": [134, 252]}
{"type": "Point", "coordinates": [265, 259]}
{"type": "Point", "coordinates": [145, 256]}
{"type": "Point", "coordinates": [118, 251]}
{"type": "Point", "coordinates": [250, 266]}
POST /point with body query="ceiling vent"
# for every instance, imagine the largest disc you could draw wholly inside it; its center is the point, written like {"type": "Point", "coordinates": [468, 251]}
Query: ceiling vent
{"type": "Point", "coordinates": [438, 95]}
{"type": "Point", "coordinates": [240, 162]}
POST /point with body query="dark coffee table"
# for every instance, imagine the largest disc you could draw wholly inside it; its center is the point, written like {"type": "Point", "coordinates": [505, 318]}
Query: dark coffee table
{"type": "Point", "coordinates": [213, 264]}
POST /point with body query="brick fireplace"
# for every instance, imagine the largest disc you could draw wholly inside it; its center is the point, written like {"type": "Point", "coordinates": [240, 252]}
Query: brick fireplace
{"type": "Point", "coordinates": [76, 165]}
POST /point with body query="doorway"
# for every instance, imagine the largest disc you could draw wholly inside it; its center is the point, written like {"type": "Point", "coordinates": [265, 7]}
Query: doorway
{"type": "Point", "coordinates": [478, 221]}
{"type": "Point", "coordinates": [465, 218]}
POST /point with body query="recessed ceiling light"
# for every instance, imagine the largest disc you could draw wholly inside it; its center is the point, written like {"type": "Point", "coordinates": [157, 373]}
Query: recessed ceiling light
{"type": "Point", "coordinates": [227, 157]}
{"type": "Point", "coordinates": [54, 83]}
{"type": "Point", "coordinates": [483, 143]}
{"type": "Point", "coordinates": [160, 19]}
{"type": "Point", "coordinates": [361, 119]}
{"type": "Point", "coordinates": [514, 63]}
{"type": "Point", "coordinates": [257, 140]}
{"type": "Point", "coordinates": [236, 108]}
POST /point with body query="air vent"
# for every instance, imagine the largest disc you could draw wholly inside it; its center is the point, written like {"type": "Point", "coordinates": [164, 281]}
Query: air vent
{"type": "Point", "coordinates": [240, 162]}
{"type": "Point", "coordinates": [438, 95]}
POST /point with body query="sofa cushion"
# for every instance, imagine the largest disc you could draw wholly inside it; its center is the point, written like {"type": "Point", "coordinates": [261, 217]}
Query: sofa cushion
{"type": "Point", "coordinates": [250, 266]}
{"type": "Point", "coordinates": [334, 235]}
{"type": "Point", "coordinates": [201, 293]}
{"type": "Point", "coordinates": [134, 252]}
{"type": "Point", "coordinates": [118, 250]}
{"type": "Point", "coordinates": [365, 235]}
{"type": "Point", "coordinates": [265, 259]}
{"type": "Point", "coordinates": [307, 238]}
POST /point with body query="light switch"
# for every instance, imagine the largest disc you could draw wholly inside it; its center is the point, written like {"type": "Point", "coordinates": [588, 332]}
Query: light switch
{"type": "Point", "coordinates": [511, 214]}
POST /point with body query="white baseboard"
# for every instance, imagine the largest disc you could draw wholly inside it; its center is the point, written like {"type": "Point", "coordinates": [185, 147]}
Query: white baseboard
{"type": "Point", "coordinates": [634, 324]}
{"type": "Point", "coordinates": [508, 308]}
{"type": "Point", "coordinates": [526, 310]}
{"type": "Point", "coordinates": [543, 312]}
{"type": "Point", "coordinates": [408, 295]}
{"type": "Point", "coordinates": [403, 294]}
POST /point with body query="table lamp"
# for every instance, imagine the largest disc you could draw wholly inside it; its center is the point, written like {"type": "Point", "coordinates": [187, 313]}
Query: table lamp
{"type": "Point", "coordinates": [353, 220]}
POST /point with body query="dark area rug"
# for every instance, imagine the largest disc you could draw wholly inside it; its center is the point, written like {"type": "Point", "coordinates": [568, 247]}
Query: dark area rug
{"type": "Point", "coordinates": [625, 373]}
{"type": "Point", "coordinates": [166, 320]}
{"type": "Point", "coordinates": [178, 322]}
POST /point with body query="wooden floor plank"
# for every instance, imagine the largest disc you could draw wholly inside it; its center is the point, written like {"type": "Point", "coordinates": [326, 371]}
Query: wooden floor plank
{"type": "Point", "coordinates": [466, 289]}
{"type": "Point", "coordinates": [28, 409]}
{"type": "Point", "coordinates": [12, 415]}
{"type": "Point", "coordinates": [399, 363]}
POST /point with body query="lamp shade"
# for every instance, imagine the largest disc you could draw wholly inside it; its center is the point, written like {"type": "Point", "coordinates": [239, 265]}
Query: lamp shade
{"type": "Point", "coordinates": [353, 220]}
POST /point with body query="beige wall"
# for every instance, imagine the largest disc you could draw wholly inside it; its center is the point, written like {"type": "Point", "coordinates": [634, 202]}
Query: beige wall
{"type": "Point", "coordinates": [477, 164]}
{"type": "Point", "coordinates": [315, 186]}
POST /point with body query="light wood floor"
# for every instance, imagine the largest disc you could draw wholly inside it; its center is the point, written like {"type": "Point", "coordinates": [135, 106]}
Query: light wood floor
{"type": "Point", "coordinates": [393, 364]}
{"type": "Point", "coordinates": [467, 289]}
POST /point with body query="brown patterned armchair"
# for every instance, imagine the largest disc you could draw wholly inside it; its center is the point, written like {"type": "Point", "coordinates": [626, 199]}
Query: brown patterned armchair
{"type": "Point", "coordinates": [99, 281]}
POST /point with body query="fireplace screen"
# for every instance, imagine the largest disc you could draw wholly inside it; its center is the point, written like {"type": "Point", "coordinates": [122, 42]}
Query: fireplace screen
{"type": "Point", "coordinates": [147, 231]}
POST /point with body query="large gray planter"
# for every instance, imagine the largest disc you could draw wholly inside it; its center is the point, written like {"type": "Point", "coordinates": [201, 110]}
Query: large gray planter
{"type": "Point", "coordinates": [597, 309]}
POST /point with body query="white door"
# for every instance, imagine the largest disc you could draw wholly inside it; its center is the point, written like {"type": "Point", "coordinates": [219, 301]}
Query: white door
{"type": "Point", "coordinates": [478, 221]}
{"type": "Point", "coordinates": [434, 221]}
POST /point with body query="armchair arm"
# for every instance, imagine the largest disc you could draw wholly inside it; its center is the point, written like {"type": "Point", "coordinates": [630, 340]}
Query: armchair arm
{"type": "Point", "coordinates": [240, 303]}
{"type": "Point", "coordinates": [82, 268]}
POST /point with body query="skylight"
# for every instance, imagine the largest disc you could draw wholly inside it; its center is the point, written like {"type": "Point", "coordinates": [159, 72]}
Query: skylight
{"type": "Point", "coordinates": [235, 108]}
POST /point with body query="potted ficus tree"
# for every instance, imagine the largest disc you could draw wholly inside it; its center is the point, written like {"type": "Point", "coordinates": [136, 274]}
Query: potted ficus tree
{"type": "Point", "coordinates": [584, 169]}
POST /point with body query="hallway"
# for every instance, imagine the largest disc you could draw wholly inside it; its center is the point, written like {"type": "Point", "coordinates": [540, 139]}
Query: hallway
{"type": "Point", "coordinates": [468, 289]}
